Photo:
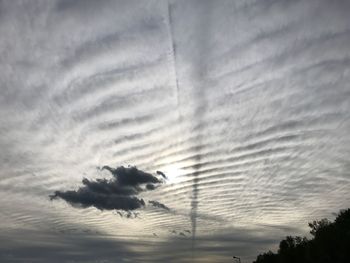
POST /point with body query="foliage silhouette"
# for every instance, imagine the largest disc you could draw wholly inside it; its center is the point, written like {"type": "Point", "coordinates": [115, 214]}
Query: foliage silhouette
{"type": "Point", "coordinates": [330, 244]}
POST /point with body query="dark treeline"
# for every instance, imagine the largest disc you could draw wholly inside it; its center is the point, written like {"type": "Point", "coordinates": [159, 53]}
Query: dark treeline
{"type": "Point", "coordinates": [330, 243]}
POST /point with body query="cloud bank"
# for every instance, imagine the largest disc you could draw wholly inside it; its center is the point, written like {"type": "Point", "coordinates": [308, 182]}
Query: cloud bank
{"type": "Point", "coordinates": [118, 193]}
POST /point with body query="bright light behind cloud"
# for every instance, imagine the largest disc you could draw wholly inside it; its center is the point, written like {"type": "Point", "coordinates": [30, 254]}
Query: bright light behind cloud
{"type": "Point", "coordinates": [174, 173]}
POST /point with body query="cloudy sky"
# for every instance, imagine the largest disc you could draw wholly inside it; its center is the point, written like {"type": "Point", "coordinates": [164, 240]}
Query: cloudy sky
{"type": "Point", "coordinates": [243, 108]}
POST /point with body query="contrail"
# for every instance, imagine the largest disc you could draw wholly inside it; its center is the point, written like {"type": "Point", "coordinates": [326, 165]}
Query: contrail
{"type": "Point", "coordinates": [194, 207]}
{"type": "Point", "coordinates": [201, 30]}
{"type": "Point", "coordinates": [172, 54]}
{"type": "Point", "coordinates": [200, 71]}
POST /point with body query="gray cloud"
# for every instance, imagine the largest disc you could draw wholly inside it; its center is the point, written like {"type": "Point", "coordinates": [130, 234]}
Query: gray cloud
{"type": "Point", "coordinates": [118, 193]}
{"type": "Point", "coordinates": [36, 246]}
{"type": "Point", "coordinates": [159, 205]}
{"type": "Point", "coordinates": [162, 174]}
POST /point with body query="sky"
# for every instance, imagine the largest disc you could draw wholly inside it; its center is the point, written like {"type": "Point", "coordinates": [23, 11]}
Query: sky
{"type": "Point", "coordinates": [170, 131]}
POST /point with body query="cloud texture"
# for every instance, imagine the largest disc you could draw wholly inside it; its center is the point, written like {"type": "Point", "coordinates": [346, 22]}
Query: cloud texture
{"type": "Point", "coordinates": [245, 105]}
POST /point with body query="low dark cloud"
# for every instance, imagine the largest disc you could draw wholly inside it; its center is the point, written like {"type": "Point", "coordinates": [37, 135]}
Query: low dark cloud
{"type": "Point", "coordinates": [162, 174]}
{"type": "Point", "coordinates": [128, 214]}
{"type": "Point", "coordinates": [159, 205]}
{"type": "Point", "coordinates": [118, 193]}
{"type": "Point", "coordinates": [182, 234]}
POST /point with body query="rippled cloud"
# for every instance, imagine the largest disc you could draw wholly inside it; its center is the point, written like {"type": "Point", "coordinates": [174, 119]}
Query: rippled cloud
{"type": "Point", "coordinates": [118, 193]}
{"type": "Point", "coordinates": [245, 105]}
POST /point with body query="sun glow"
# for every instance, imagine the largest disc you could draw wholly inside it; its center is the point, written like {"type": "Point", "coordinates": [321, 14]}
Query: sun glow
{"type": "Point", "coordinates": [173, 173]}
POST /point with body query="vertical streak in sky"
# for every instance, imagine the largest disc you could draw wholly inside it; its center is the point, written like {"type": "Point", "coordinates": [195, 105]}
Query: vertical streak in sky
{"type": "Point", "coordinates": [194, 206]}
{"type": "Point", "coordinates": [202, 31]}
{"type": "Point", "coordinates": [172, 53]}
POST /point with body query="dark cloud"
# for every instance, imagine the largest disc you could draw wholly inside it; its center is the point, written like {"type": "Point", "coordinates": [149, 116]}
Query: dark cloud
{"type": "Point", "coordinates": [159, 205]}
{"type": "Point", "coordinates": [162, 174]}
{"type": "Point", "coordinates": [128, 214]}
{"type": "Point", "coordinates": [131, 176]}
{"type": "Point", "coordinates": [150, 186]}
{"type": "Point", "coordinates": [119, 193]}
{"type": "Point", "coordinates": [182, 234]}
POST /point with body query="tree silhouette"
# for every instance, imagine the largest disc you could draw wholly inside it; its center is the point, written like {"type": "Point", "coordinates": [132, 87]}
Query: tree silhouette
{"type": "Point", "coordinates": [330, 244]}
